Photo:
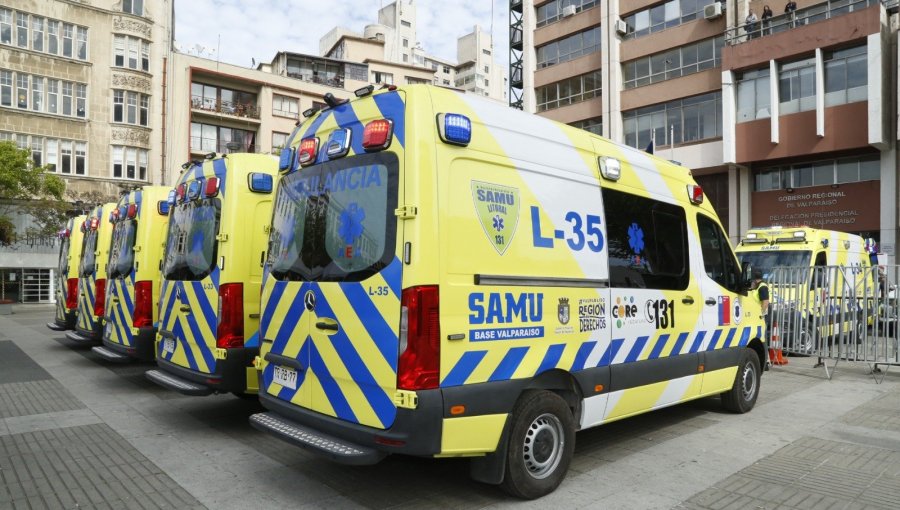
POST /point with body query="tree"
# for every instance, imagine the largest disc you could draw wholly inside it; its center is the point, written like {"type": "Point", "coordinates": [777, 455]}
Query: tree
{"type": "Point", "coordinates": [26, 188]}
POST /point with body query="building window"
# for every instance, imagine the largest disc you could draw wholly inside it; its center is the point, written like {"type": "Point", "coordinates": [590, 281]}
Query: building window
{"type": "Point", "coordinates": [117, 161]}
{"type": "Point", "coordinates": [210, 138]}
{"type": "Point", "coordinates": [279, 140]}
{"type": "Point", "coordinates": [569, 91]}
{"type": "Point", "coordinates": [37, 33]}
{"type": "Point", "coordinates": [797, 86]}
{"type": "Point", "coordinates": [52, 37]}
{"type": "Point", "coordinates": [119, 50]}
{"type": "Point", "coordinates": [81, 100]}
{"type": "Point", "coordinates": [553, 11]}
{"type": "Point", "coordinates": [486, 51]}
{"type": "Point", "coordinates": [447, 82]}
{"type": "Point", "coordinates": [67, 98]}
{"type": "Point", "coordinates": [405, 23]}
{"type": "Point", "coordinates": [133, 46]}
{"type": "Point", "coordinates": [285, 106]}
{"type": "Point", "coordinates": [80, 158]}
{"type": "Point", "coordinates": [131, 107]}
{"type": "Point", "coordinates": [145, 56]}
{"type": "Point", "coordinates": [143, 164]}
{"type": "Point", "coordinates": [135, 7]}
{"type": "Point", "coordinates": [68, 33]}
{"type": "Point", "coordinates": [680, 121]}
{"type": "Point", "coordinates": [222, 100]}
{"type": "Point", "coordinates": [65, 152]}
{"type": "Point", "coordinates": [405, 42]}
{"type": "Point", "coordinates": [6, 86]}
{"type": "Point", "coordinates": [819, 173]}
{"type": "Point", "coordinates": [52, 154]}
{"type": "Point", "coordinates": [22, 90]}
{"type": "Point", "coordinates": [318, 71]}
{"type": "Point", "coordinates": [846, 76]}
{"type": "Point", "coordinates": [405, 57]}
{"type": "Point", "coordinates": [37, 93]}
{"type": "Point", "coordinates": [22, 29]}
{"type": "Point", "coordinates": [37, 150]}
{"type": "Point", "coordinates": [380, 77]}
{"type": "Point", "coordinates": [594, 125]}
{"type": "Point", "coordinates": [674, 63]}
{"type": "Point", "coordinates": [82, 43]}
{"type": "Point", "coordinates": [753, 95]}
{"type": "Point", "coordinates": [446, 69]}
{"type": "Point", "coordinates": [5, 26]}
{"type": "Point", "coordinates": [662, 16]}
{"type": "Point", "coordinates": [52, 96]}
{"type": "Point", "coordinates": [570, 48]}
{"type": "Point", "coordinates": [129, 163]}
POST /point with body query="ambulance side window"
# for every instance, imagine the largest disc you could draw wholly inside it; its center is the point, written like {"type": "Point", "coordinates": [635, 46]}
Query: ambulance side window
{"type": "Point", "coordinates": [647, 242]}
{"type": "Point", "coordinates": [718, 260]}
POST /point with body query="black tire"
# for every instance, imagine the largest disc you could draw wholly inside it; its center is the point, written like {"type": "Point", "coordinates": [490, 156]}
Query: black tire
{"type": "Point", "coordinates": [743, 393]}
{"type": "Point", "coordinates": [541, 444]}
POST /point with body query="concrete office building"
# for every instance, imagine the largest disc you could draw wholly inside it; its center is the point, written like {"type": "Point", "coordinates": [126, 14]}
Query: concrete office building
{"type": "Point", "coordinates": [81, 87]}
{"type": "Point", "coordinates": [791, 121]}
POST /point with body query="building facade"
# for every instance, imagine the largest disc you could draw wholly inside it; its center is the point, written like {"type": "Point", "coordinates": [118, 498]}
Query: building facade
{"type": "Point", "coordinates": [786, 121]}
{"type": "Point", "coordinates": [81, 87]}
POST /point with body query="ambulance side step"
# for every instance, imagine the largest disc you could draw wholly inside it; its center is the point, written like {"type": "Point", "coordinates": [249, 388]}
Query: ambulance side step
{"type": "Point", "coordinates": [178, 384]}
{"type": "Point", "coordinates": [79, 338]}
{"type": "Point", "coordinates": [338, 450]}
{"type": "Point", "coordinates": [55, 327]}
{"type": "Point", "coordinates": [110, 355]}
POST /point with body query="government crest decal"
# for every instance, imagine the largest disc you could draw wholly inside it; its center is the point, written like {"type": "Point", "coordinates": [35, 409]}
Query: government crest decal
{"type": "Point", "coordinates": [497, 208]}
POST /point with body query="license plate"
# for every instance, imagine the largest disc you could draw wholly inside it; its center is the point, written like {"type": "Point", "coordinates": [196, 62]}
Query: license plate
{"type": "Point", "coordinates": [286, 377]}
{"type": "Point", "coordinates": [168, 345]}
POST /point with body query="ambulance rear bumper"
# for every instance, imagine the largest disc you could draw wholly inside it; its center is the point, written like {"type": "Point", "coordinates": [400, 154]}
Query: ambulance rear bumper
{"type": "Point", "coordinates": [413, 432]}
{"type": "Point", "coordinates": [68, 322]}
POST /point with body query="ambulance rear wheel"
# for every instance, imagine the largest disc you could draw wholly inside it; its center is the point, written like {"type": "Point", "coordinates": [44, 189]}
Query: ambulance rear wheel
{"type": "Point", "coordinates": [743, 393]}
{"type": "Point", "coordinates": [541, 443]}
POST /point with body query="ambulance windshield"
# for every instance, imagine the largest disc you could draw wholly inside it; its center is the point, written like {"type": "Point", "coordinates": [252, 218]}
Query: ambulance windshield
{"type": "Point", "coordinates": [121, 253]}
{"type": "Point", "coordinates": [335, 221]}
{"type": "Point", "coordinates": [191, 245]}
{"type": "Point", "coordinates": [87, 253]}
{"type": "Point", "coordinates": [766, 261]}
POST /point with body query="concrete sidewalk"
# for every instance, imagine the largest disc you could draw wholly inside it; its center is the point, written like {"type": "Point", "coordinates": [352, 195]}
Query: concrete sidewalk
{"type": "Point", "coordinates": [76, 432]}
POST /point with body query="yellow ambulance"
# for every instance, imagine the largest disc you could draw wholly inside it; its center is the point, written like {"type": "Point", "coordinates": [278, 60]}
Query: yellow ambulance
{"type": "Point", "coordinates": [139, 229]}
{"type": "Point", "coordinates": [97, 231]}
{"type": "Point", "coordinates": [70, 239]}
{"type": "Point", "coordinates": [822, 282]}
{"type": "Point", "coordinates": [422, 240]}
{"type": "Point", "coordinates": [211, 272]}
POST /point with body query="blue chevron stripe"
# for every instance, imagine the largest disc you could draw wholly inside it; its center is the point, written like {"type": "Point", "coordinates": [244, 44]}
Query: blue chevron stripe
{"type": "Point", "coordinates": [463, 368]}
{"type": "Point", "coordinates": [731, 332]}
{"type": "Point", "coordinates": [551, 358]}
{"type": "Point", "coordinates": [392, 107]}
{"type": "Point", "coordinates": [382, 335]}
{"type": "Point", "coordinates": [679, 344]}
{"type": "Point", "coordinates": [333, 391]}
{"type": "Point", "coordinates": [610, 353]}
{"type": "Point", "coordinates": [508, 365]}
{"type": "Point", "coordinates": [581, 356]}
{"type": "Point", "coordinates": [392, 276]}
{"type": "Point", "coordinates": [660, 343]}
{"type": "Point", "coordinates": [745, 337]}
{"type": "Point", "coordinates": [698, 341]}
{"type": "Point", "coordinates": [712, 341]}
{"type": "Point", "coordinates": [636, 349]}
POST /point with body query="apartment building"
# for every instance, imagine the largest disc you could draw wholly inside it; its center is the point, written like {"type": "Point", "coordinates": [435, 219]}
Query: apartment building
{"type": "Point", "coordinates": [81, 88]}
{"type": "Point", "coordinates": [393, 40]}
{"type": "Point", "coordinates": [783, 122]}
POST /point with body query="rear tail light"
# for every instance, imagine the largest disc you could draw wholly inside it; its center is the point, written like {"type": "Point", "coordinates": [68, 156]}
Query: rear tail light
{"type": "Point", "coordinates": [100, 297]}
{"type": "Point", "coordinates": [143, 304]}
{"type": "Point", "coordinates": [72, 293]}
{"type": "Point", "coordinates": [420, 339]}
{"type": "Point", "coordinates": [230, 333]}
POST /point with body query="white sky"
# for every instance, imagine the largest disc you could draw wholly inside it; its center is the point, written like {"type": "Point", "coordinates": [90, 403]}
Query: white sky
{"type": "Point", "coordinates": [260, 28]}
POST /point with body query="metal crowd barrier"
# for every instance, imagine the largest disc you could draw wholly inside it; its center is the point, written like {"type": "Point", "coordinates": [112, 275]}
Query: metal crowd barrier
{"type": "Point", "coordinates": [836, 314]}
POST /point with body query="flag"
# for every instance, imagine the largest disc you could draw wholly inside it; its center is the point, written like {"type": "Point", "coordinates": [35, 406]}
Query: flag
{"type": "Point", "coordinates": [724, 310]}
{"type": "Point", "coordinates": [649, 149]}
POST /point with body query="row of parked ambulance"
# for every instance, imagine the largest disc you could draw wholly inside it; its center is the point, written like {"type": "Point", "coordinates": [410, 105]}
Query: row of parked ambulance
{"type": "Point", "coordinates": [388, 286]}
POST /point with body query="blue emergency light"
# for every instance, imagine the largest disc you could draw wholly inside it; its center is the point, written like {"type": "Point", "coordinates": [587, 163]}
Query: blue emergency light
{"type": "Point", "coordinates": [193, 191]}
{"type": "Point", "coordinates": [260, 183]}
{"type": "Point", "coordinates": [454, 128]}
{"type": "Point", "coordinates": [162, 207]}
{"type": "Point", "coordinates": [338, 143]}
{"type": "Point", "coordinates": [285, 162]}
{"type": "Point", "coordinates": [123, 212]}
{"type": "Point", "coordinates": [171, 199]}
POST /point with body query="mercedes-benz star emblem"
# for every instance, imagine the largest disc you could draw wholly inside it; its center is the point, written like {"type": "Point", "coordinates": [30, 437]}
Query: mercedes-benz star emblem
{"type": "Point", "coordinates": [309, 300]}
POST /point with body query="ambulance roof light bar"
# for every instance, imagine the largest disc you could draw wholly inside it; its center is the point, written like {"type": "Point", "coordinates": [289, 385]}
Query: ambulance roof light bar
{"type": "Point", "coordinates": [695, 194]}
{"type": "Point", "coordinates": [454, 128]}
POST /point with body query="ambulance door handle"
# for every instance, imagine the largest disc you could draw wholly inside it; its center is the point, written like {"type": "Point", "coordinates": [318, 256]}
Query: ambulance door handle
{"type": "Point", "coordinates": [710, 302]}
{"type": "Point", "coordinates": [185, 308]}
{"type": "Point", "coordinates": [688, 300]}
{"type": "Point", "coordinates": [327, 325]}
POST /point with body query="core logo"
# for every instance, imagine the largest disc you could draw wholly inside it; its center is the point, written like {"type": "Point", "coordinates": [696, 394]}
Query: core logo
{"type": "Point", "coordinates": [624, 310]}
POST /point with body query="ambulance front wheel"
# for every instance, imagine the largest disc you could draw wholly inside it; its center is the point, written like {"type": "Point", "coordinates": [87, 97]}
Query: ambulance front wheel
{"type": "Point", "coordinates": [742, 396]}
{"type": "Point", "coordinates": [541, 444]}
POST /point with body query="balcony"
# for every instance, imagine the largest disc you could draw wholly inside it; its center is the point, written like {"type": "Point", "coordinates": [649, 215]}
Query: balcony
{"type": "Point", "coordinates": [200, 145]}
{"type": "Point", "coordinates": [334, 81]}
{"type": "Point", "coordinates": [242, 110]}
{"type": "Point", "coordinates": [799, 18]}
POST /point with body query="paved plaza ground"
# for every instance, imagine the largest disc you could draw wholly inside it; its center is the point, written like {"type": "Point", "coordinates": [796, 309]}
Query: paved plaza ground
{"type": "Point", "coordinates": [76, 432]}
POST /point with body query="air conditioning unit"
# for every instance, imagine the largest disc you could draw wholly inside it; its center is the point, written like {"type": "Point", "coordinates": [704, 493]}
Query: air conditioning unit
{"type": "Point", "coordinates": [621, 27]}
{"type": "Point", "coordinates": [568, 10]}
{"type": "Point", "coordinates": [713, 10]}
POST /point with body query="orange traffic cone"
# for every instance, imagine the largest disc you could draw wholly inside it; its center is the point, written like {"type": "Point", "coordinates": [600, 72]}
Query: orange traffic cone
{"type": "Point", "coordinates": [776, 348]}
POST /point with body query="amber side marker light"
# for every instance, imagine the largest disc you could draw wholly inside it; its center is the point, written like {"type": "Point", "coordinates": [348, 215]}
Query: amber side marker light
{"type": "Point", "coordinates": [457, 410]}
{"type": "Point", "coordinates": [598, 388]}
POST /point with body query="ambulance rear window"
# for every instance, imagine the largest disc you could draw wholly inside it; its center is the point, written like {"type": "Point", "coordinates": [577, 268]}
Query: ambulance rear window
{"type": "Point", "coordinates": [335, 221]}
{"type": "Point", "coordinates": [63, 270]}
{"type": "Point", "coordinates": [191, 246]}
{"type": "Point", "coordinates": [87, 253]}
{"type": "Point", "coordinates": [121, 253]}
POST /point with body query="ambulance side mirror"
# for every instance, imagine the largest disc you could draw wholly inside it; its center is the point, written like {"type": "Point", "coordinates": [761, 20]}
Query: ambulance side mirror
{"type": "Point", "coordinates": [746, 276]}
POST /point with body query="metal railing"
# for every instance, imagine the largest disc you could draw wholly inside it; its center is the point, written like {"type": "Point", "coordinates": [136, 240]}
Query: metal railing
{"type": "Point", "coordinates": [337, 81]}
{"type": "Point", "coordinates": [837, 314]}
{"type": "Point", "coordinates": [226, 107]}
{"type": "Point", "coordinates": [800, 17]}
